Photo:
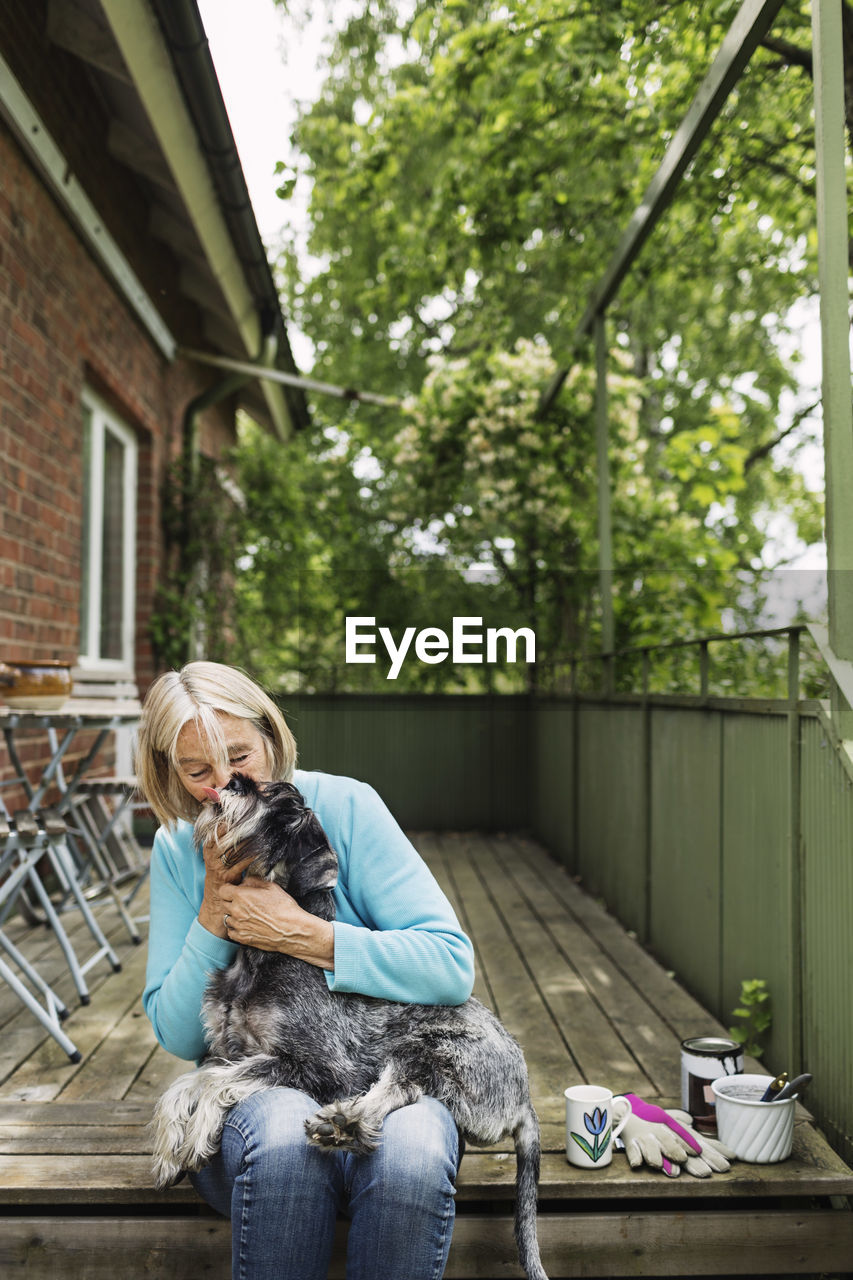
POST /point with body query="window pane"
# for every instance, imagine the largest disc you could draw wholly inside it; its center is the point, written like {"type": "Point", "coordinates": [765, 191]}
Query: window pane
{"type": "Point", "coordinates": [86, 640]}
{"type": "Point", "coordinates": [112, 549]}
{"type": "Point", "coordinates": [108, 537]}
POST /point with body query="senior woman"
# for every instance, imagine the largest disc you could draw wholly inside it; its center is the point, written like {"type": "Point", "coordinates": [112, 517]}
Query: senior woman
{"type": "Point", "coordinates": [395, 936]}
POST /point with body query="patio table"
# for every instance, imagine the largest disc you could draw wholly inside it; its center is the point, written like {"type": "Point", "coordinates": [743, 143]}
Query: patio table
{"type": "Point", "coordinates": [77, 714]}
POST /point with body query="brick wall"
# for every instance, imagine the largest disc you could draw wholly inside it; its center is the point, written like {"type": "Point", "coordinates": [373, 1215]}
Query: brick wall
{"type": "Point", "coordinates": [65, 327]}
{"type": "Point", "coordinates": [62, 327]}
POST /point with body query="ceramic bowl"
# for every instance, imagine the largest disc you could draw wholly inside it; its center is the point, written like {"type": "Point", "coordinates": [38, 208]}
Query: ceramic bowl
{"type": "Point", "coordinates": [758, 1132]}
{"type": "Point", "coordinates": [37, 685]}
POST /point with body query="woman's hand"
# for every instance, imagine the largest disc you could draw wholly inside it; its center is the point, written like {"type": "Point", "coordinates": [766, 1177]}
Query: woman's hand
{"type": "Point", "coordinates": [218, 876]}
{"type": "Point", "coordinates": [261, 914]}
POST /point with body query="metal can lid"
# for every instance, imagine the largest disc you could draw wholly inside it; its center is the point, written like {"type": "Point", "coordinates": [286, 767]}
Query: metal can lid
{"type": "Point", "coordinates": [711, 1046]}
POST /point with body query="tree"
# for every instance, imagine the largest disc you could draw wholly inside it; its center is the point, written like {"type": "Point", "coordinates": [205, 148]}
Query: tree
{"type": "Point", "coordinates": [472, 168]}
{"type": "Point", "coordinates": [472, 193]}
{"type": "Point", "coordinates": [312, 550]}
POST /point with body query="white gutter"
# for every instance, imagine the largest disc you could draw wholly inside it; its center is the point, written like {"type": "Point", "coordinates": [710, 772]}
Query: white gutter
{"type": "Point", "coordinates": [139, 38]}
{"type": "Point", "coordinates": [30, 130]}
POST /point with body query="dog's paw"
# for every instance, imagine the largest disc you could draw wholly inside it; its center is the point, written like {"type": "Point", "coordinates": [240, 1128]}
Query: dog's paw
{"type": "Point", "coordinates": [335, 1129]}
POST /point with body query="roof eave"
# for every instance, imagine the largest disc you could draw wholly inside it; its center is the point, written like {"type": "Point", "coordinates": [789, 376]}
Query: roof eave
{"type": "Point", "coordinates": [165, 48]}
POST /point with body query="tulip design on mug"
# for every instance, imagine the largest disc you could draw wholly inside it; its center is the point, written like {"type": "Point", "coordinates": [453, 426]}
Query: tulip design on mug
{"type": "Point", "coordinates": [598, 1127]}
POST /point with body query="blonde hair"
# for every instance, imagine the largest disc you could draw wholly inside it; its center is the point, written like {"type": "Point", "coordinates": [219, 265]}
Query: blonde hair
{"type": "Point", "coordinates": [197, 693]}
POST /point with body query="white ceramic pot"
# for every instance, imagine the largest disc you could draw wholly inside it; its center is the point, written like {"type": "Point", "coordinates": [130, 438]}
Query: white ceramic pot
{"type": "Point", "coordinates": [758, 1132]}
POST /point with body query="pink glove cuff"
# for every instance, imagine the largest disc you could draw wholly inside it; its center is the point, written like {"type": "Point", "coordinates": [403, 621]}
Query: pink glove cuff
{"type": "Point", "coordinates": [656, 1115]}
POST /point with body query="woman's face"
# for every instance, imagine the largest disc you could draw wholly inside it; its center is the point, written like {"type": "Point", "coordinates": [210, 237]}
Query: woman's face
{"type": "Point", "coordinates": [199, 765]}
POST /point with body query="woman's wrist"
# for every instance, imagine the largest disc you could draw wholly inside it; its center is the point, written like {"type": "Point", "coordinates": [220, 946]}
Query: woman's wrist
{"type": "Point", "coordinates": [327, 954]}
{"type": "Point", "coordinates": [212, 920]}
{"type": "Point", "coordinates": [315, 943]}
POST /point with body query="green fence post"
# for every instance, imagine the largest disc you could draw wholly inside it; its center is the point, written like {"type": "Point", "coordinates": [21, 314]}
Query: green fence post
{"type": "Point", "coordinates": [605, 536]}
{"type": "Point", "coordinates": [575, 778]}
{"type": "Point", "coordinates": [646, 765]}
{"type": "Point", "coordinates": [704, 669]}
{"type": "Point", "coordinates": [833, 264]}
{"type": "Point", "coordinates": [795, 949]}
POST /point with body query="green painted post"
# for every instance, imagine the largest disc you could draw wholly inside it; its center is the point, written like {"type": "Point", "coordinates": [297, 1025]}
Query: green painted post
{"type": "Point", "coordinates": [575, 782]}
{"type": "Point", "coordinates": [833, 263]}
{"type": "Point", "coordinates": [645, 817]}
{"type": "Point", "coordinates": [704, 669]}
{"type": "Point", "coordinates": [605, 536]}
{"type": "Point", "coordinates": [795, 950]}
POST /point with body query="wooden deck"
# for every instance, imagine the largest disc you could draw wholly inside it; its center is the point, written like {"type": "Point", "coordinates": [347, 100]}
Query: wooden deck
{"type": "Point", "coordinates": [587, 1003]}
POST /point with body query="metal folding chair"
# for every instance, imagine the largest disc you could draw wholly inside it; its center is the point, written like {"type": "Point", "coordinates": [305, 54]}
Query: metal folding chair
{"type": "Point", "coordinates": [107, 852]}
{"type": "Point", "coordinates": [29, 838]}
{"type": "Point", "coordinates": [19, 855]}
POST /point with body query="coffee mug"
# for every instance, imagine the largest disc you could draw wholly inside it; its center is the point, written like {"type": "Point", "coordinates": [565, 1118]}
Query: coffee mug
{"type": "Point", "coordinates": [590, 1112]}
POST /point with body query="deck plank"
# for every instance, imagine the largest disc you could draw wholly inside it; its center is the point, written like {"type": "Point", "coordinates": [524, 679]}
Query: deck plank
{"type": "Point", "coordinates": [575, 928]}
{"type": "Point", "coordinates": [46, 1073]}
{"type": "Point", "coordinates": [109, 1163]}
{"type": "Point", "coordinates": [675, 1005]}
{"type": "Point", "coordinates": [579, 1245]}
{"type": "Point", "coordinates": [439, 857]}
{"type": "Point", "coordinates": [517, 999]}
{"type": "Point", "coordinates": [562, 975]}
{"type": "Point", "coordinates": [158, 1071]}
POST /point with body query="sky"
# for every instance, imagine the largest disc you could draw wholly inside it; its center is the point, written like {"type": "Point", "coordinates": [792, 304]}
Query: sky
{"type": "Point", "coordinates": [267, 64]}
{"type": "Point", "coordinates": [265, 67]}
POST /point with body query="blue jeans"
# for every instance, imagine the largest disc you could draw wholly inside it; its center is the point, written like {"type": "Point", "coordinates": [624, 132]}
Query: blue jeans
{"type": "Point", "coordinates": [283, 1195]}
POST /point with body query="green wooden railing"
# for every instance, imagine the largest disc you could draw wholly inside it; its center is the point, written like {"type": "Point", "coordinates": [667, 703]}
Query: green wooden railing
{"type": "Point", "coordinates": [718, 828]}
{"type": "Point", "coordinates": [440, 762]}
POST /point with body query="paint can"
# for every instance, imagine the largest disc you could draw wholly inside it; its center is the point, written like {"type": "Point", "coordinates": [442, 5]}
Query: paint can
{"type": "Point", "coordinates": [703, 1059]}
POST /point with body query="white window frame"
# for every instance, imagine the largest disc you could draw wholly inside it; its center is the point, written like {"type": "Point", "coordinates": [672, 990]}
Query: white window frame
{"type": "Point", "coordinates": [103, 420]}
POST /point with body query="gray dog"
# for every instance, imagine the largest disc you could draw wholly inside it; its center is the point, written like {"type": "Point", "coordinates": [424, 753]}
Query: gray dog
{"type": "Point", "coordinates": [271, 1020]}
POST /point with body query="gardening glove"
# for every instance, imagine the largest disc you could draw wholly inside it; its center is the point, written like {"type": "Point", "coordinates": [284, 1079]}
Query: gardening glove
{"type": "Point", "coordinates": [715, 1157]}
{"type": "Point", "coordinates": [661, 1140]}
{"type": "Point", "coordinates": [649, 1139]}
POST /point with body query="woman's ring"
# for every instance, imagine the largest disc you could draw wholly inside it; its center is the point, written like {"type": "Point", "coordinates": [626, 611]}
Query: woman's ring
{"type": "Point", "coordinates": [223, 858]}
{"type": "Point", "coordinates": [225, 919]}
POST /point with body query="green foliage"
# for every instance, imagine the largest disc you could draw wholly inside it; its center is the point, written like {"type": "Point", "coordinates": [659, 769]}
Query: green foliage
{"type": "Point", "coordinates": [515, 496]}
{"type": "Point", "coordinates": [312, 551]}
{"type": "Point", "coordinates": [320, 543]}
{"type": "Point", "coordinates": [472, 169]}
{"type": "Point", "coordinates": [471, 193]}
{"type": "Point", "coordinates": [502, 492]}
{"type": "Point", "coordinates": [754, 1010]}
{"type": "Point", "coordinates": [193, 601]}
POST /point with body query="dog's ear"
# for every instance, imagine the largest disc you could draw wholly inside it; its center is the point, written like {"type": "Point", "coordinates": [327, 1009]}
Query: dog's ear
{"type": "Point", "coordinates": [301, 823]}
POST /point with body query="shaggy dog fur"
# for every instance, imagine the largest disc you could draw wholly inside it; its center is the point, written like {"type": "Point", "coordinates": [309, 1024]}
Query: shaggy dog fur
{"type": "Point", "coordinates": [271, 1020]}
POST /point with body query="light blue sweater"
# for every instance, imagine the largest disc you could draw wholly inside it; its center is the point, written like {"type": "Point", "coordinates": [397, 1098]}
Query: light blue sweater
{"type": "Point", "coordinates": [396, 935]}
